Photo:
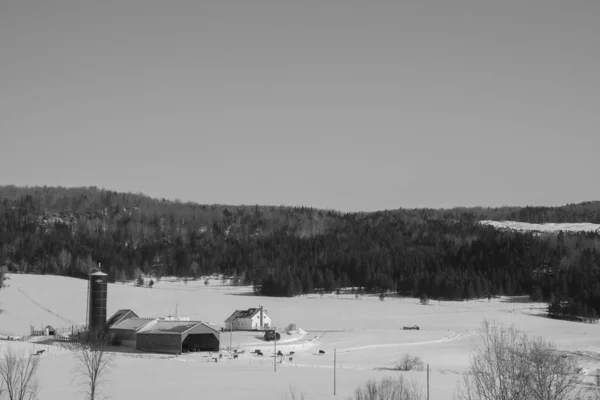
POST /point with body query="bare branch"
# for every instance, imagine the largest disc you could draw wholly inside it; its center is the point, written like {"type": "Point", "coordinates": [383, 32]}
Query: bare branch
{"type": "Point", "coordinates": [552, 375]}
{"type": "Point", "coordinates": [389, 389]}
{"type": "Point", "coordinates": [510, 366]}
{"type": "Point", "coordinates": [410, 362]}
{"type": "Point", "coordinates": [93, 363]}
{"type": "Point", "coordinates": [17, 375]}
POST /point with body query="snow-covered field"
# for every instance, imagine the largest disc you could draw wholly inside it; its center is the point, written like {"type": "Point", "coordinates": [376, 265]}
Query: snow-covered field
{"type": "Point", "coordinates": [367, 334]}
{"type": "Point", "coordinates": [550, 227]}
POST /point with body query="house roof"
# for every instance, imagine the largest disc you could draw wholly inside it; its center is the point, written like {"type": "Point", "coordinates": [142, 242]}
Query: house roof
{"type": "Point", "coordinates": [241, 314]}
{"type": "Point", "coordinates": [174, 327]}
{"type": "Point", "coordinates": [132, 324]}
{"type": "Point", "coordinates": [119, 316]}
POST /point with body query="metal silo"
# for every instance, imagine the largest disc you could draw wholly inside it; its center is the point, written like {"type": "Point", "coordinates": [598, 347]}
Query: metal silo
{"type": "Point", "coordinates": [97, 301]}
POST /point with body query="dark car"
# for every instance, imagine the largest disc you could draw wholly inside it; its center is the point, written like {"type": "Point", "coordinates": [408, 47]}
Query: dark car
{"type": "Point", "coordinates": [272, 335]}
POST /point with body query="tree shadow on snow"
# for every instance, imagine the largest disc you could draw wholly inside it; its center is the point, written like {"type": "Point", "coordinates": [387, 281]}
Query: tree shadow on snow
{"type": "Point", "coordinates": [517, 299]}
{"type": "Point", "coordinates": [242, 294]}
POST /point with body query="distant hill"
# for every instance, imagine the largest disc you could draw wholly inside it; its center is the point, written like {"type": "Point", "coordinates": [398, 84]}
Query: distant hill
{"type": "Point", "coordinates": [285, 251]}
{"type": "Point", "coordinates": [549, 227]}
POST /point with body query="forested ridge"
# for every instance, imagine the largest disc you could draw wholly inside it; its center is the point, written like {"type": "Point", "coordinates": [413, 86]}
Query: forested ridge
{"type": "Point", "coordinates": [286, 251]}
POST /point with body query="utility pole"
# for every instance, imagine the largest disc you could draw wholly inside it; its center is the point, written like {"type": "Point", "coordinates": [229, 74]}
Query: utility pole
{"type": "Point", "coordinates": [427, 381]}
{"type": "Point", "coordinates": [275, 353]}
{"type": "Point", "coordinates": [334, 368]}
{"type": "Point", "coordinates": [230, 333]}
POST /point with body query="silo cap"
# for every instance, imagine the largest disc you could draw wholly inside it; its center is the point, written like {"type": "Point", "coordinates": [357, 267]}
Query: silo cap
{"type": "Point", "coordinates": [98, 274]}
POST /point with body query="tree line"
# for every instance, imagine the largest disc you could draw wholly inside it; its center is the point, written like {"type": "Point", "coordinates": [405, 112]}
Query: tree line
{"type": "Point", "coordinates": [288, 251]}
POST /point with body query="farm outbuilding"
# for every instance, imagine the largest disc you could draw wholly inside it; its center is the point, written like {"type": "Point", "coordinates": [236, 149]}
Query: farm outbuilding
{"type": "Point", "coordinates": [124, 333]}
{"type": "Point", "coordinates": [49, 331]}
{"type": "Point", "coordinates": [120, 315]}
{"type": "Point", "coordinates": [176, 337]}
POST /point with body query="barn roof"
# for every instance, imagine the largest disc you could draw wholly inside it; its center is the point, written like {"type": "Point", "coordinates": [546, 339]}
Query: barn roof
{"type": "Point", "coordinates": [118, 317]}
{"type": "Point", "coordinates": [132, 324]}
{"type": "Point", "coordinates": [174, 327]}
{"type": "Point", "coordinates": [213, 327]}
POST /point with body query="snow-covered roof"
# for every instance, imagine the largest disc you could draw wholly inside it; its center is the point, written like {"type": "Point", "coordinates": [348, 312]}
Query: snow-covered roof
{"type": "Point", "coordinates": [174, 327]}
{"type": "Point", "coordinates": [132, 324]}
{"type": "Point", "coordinates": [119, 316]}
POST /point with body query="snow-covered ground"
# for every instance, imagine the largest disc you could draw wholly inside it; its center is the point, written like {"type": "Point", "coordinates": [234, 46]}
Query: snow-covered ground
{"type": "Point", "coordinates": [550, 227]}
{"type": "Point", "coordinates": [367, 334]}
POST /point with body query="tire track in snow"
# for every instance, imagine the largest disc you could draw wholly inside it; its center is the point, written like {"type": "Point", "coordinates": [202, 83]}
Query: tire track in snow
{"type": "Point", "coordinates": [44, 308]}
{"type": "Point", "coordinates": [451, 338]}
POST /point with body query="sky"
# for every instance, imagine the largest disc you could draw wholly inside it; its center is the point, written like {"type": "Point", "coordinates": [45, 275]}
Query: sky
{"type": "Point", "coordinates": [339, 104]}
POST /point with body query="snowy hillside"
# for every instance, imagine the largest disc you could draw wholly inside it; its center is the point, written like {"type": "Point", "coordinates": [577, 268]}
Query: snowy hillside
{"type": "Point", "coordinates": [525, 226]}
{"type": "Point", "coordinates": [367, 334]}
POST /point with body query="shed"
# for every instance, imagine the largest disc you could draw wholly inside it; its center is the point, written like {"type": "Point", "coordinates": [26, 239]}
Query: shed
{"type": "Point", "coordinates": [125, 332]}
{"type": "Point", "coordinates": [49, 331]}
{"type": "Point", "coordinates": [176, 337]}
{"type": "Point", "coordinates": [120, 315]}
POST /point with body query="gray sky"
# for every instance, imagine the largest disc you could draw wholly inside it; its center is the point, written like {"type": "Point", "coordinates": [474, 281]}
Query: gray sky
{"type": "Point", "coordinates": [350, 105]}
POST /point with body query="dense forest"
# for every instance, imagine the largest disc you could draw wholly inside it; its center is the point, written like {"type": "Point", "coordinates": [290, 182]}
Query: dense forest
{"type": "Point", "coordinates": [286, 251]}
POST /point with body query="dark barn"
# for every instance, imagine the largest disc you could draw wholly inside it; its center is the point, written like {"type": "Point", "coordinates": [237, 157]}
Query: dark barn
{"type": "Point", "coordinates": [176, 337]}
{"type": "Point", "coordinates": [124, 333]}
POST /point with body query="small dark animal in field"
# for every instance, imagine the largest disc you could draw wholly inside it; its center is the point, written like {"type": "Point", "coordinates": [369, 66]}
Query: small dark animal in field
{"type": "Point", "coordinates": [259, 353]}
{"type": "Point", "coordinates": [39, 352]}
{"type": "Point", "coordinates": [292, 353]}
{"type": "Point", "coordinates": [235, 356]}
{"type": "Point", "coordinates": [291, 359]}
{"type": "Point", "coordinates": [279, 353]}
{"type": "Point", "coordinates": [220, 355]}
{"type": "Point", "coordinates": [235, 351]}
{"type": "Point", "coordinates": [216, 359]}
{"type": "Point", "coordinates": [321, 352]}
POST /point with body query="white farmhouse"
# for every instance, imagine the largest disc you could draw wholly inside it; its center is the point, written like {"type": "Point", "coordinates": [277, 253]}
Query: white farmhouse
{"type": "Point", "coordinates": [252, 318]}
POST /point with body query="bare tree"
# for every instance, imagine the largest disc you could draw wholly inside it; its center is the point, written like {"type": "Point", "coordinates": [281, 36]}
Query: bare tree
{"type": "Point", "coordinates": [498, 371]}
{"type": "Point", "coordinates": [17, 375]}
{"type": "Point", "coordinates": [194, 267]}
{"type": "Point", "coordinates": [409, 362]}
{"type": "Point", "coordinates": [93, 363]}
{"type": "Point", "coordinates": [552, 375]}
{"type": "Point", "coordinates": [389, 389]}
{"type": "Point", "coordinates": [510, 366]}
{"type": "Point", "coordinates": [64, 260]}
